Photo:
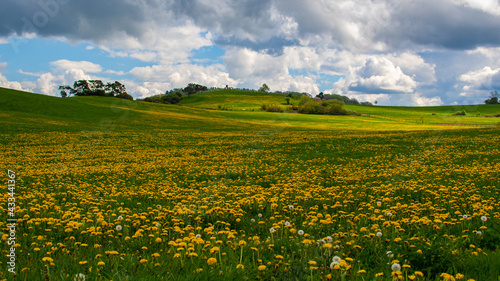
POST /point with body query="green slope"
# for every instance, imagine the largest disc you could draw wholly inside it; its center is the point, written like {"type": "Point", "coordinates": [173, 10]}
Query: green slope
{"type": "Point", "coordinates": [22, 111]}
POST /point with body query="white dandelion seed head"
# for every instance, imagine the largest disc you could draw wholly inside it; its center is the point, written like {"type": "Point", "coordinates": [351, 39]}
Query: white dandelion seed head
{"type": "Point", "coordinates": [333, 264]}
{"type": "Point", "coordinates": [158, 224]}
{"type": "Point", "coordinates": [120, 218]}
{"type": "Point", "coordinates": [252, 220]}
{"type": "Point", "coordinates": [119, 228]}
{"type": "Point", "coordinates": [329, 239]}
{"type": "Point", "coordinates": [259, 215]}
{"type": "Point", "coordinates": [390, 254]}
{"type": "Point", "coordinates": [160, 207]}
{"type": "Point", "coordinates": [272, 230]}
{"type": "Point", "coordinates": [396, 267]}
{"type": "Point", "coordinates": [379, 203]}
{"type": "Point", "coordinates": [301, 232]}
{"type": "Point", "coordinates": [287, 223]}
{"type": "Point", "coordinates": [389, 214]}
{"type": "Point", "coordinates": [198, 235]}
{"type": "Point", "coordinates": [484, 218]}
{"type": "Point", "coordinates": [479, 233]}
{"type": "Point", "coordinates": [290, 207]}
{"type": "Point", "coordinates": [464, 217]}
{"type": "Point", "coordinates": [79, 277]}
{"type": "Point", "coordinates": [379, 234]}
{"type": "Point", "coordinates": [336, 259]}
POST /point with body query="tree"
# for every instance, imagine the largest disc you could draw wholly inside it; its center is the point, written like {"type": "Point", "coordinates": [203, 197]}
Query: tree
{"type": "Point", "coordinates": [493, 98]}
{"type": "Point", "coordinates": [115, 89]}
{"type": "Point", "coordinates": [287, 100]}
{"type": "Point", "coordinates": [64, 90]}
{"type": "Point", "coordinates": [95, 88]}
{"type": "Point", "coordinates": [320, 95]}
{"type": "Point", "coordinates": [264, 88]}
{"type": "Point", "coordinates": [192, 88]}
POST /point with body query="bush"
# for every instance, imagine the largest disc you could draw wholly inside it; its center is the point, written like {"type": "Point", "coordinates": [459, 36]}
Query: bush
{"type": "Point", "coordinates": [271, 108]}
{"type": "Point", "coordinates": [460, 112]}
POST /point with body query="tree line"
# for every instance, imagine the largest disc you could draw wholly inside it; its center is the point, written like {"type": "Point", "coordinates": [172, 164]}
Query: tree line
{"type": "Point", "coordinates": [95, 88]}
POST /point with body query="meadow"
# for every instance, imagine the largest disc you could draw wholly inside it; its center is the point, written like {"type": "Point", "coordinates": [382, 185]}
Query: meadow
{"type": "Point", "coordinates": [114, 189]}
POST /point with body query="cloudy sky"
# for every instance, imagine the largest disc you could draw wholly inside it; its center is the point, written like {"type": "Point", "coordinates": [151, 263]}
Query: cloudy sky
{"type": "Point", "coordinates": [398, 52]}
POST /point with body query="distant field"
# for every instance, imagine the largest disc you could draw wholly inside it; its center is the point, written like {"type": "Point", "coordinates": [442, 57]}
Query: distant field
{"type": "Point", "coordinates": [126, 190]}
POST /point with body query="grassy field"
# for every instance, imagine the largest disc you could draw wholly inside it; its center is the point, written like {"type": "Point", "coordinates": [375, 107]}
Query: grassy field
{"type": "Point", "coordinates": [126, 190]}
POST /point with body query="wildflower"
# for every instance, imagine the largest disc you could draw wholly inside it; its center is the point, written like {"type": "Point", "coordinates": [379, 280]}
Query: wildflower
{"type": "Point", "coordinates": [242, 243]}
{"type": "Point", "coordinates": [464, 217]}
{"type": "Point", "coordinates": [158, 240]}
{"type": "Point", "coordinates": [484, 218]}
{"type": "Point", "coordinates": [459, 276]}
{"type": "Point", "coordinates": [396, 267]}
{"type": "Point", "coordinates": [47, 259]}
{"type": "Point", "coordinates": [212, 261]}
{"type": "Point", "coordinates": [272, 230]}
{"type": "Point", "coordinates": [379, 234]}
{"type": "Point", "coordinates": [329, 239]}
{"type": "Point", "coordinates": [312, 263]}
{"type": "Point", "coordinates": [301, 232]}
{"type": "Point", "coordinates": [240, 266]}
{"type": "Point", "coordinates": [336, 259]}
{"type": "Point", "coordinates": [334, 265]}
{"type": "Point", "coordinates": [262, 267]}
{"type": "Point", "coordinates": [390, 254]}
{"type": "Point", "coordinates": [361, 271]}
{"type": "Point", "coordinates": [287, 223]}
{"type": "Point", "coordinates": [389, 214]}
{"type": "Point", "coordinates": [119, 228]}
{"type": "Point", "coordinates": [379, 203]}
{"type": "Point", "coordinates": [155, 255]}
{"type": "Point", "coordinates": [101, 263]}
{"type": "Point", "coordinates": [120, 218]}
{"type": "Point", "coordinates": [419, 274]}
{"type": "Point", "coordinates": [447, 277]}
{"type": "Point", "coordinates": [479, 233]}
{"type": "Point", "coordinates": [83, 262]}
{"type": "Point", "coordinates": [379, 274]}
{"type": "Point", "coordinates": [290, 207]}
{"type": "Point", "coordinates": [252, 220]}
{"type": "Point", "coordinates": [259, 215]}
{"type": "Point", "coordinates": [158, 224]}
{"type": "Point", "coordinates": [143, 261]}
{"type": "Point", "coordinates": [79, 277]}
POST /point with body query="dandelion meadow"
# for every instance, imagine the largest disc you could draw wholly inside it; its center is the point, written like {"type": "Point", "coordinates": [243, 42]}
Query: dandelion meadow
{"type": "Point", "coordinates": [125, 190]}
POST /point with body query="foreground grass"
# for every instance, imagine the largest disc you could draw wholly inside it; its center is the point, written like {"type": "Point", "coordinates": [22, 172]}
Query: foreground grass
{"type": "Point", "coordinates": [134, 191]}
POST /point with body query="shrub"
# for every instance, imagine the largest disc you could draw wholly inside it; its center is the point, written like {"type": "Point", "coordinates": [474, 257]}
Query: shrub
{"type": "Point", "coordinates": [460, 112]}
{"type": "Point", "coordinates": [271, 108]}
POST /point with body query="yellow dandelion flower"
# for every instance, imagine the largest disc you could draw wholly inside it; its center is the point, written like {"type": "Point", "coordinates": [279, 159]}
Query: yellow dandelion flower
{"type": "Point", "coordinates": [212, 261]}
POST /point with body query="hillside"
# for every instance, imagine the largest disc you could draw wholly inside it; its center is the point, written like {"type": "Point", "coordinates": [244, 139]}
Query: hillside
{"type": "Point", "coordinates": [116, 185]}
{"type": "Point", "coordinates": [40, 112]}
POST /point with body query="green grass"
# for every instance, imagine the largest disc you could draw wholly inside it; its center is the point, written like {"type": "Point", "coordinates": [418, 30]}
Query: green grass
{"type": "Point", "coordinates": [174, 171]}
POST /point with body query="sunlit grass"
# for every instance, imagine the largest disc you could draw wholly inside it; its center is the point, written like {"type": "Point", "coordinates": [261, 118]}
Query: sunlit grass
{"type": "Point", "coordinates": [130, 190]}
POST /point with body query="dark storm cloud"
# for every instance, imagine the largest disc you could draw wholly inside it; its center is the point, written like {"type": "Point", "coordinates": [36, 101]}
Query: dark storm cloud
{"type": "Point", "coordinates": [77, 20]}
{"type": "Point", "coordinates": [398, 24]}
{"type": "Point", "coordinates": [273, 46]}
{"type": "Point", "coordinates": [441, 24]}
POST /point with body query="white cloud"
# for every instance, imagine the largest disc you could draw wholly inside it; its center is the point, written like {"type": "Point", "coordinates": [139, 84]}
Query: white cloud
{"type": "Point", "coordinates": [482, 79]}
{"type": "Point", "coordinates": [115, 72]}
{"type": "Point", "coordinates": [182, 74]}
{"type": "Point", "coordinates": [380, 75]}
{"type": "Point", "coordinates": [85, 66]}
{"type": "Point", "coordinates": [488, 6]}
